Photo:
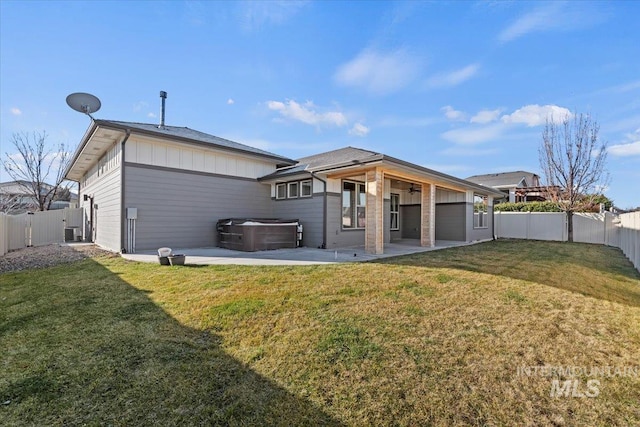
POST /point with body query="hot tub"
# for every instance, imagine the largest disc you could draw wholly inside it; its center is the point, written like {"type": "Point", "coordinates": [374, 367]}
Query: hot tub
{"type": "Point", "coordinates": [251, 234]}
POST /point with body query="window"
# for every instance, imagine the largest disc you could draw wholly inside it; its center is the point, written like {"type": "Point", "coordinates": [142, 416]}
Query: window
{"type": "Point", "coordinates": [305, 189]}
{"type": "Point", "coordinates": [281, 191]}
{"type": "Point", "coordinates": [479, 211]}
{"type": "Point", "coordinates": [354, 200]}
{"type": "Point", "coordinates": [395, 211]}
{"type": "Point", "coordinates": [293, 190]}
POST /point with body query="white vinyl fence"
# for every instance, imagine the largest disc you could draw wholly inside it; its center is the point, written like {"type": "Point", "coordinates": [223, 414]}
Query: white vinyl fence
{"type": "Point", "coordinates": [38, 228]}
{"type": "Point", "coordinates": [622, 231]}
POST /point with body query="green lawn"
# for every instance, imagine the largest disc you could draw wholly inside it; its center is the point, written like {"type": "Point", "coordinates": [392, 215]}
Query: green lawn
{"type": "Point", "coordinates": [435, 338]}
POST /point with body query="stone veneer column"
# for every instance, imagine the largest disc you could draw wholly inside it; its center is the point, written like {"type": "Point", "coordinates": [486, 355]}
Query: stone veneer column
{"type": "Point", "coordinates": [374, 232]}
{"type": "Point", "coordinates": [428, 215]}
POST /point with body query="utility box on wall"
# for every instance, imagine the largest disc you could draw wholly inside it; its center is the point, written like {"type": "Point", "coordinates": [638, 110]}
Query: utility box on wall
{"type": "Point", "coordinates": [132, 213]}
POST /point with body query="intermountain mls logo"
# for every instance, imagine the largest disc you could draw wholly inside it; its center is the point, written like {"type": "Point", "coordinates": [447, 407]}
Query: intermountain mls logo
{"type": "Point", "coordinates": [573, 388]}
{"type": "Point", "coordinates": [571, 385]}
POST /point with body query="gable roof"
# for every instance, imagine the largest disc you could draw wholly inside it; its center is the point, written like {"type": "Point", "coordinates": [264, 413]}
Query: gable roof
{"type": "Point", "coordinates": [351, 156]}
{"type": "Point", "coordinates": [327, 160]}
{"type": "Point", "coordinates": [505, 179]}
{"type": "Point", "coordinates": [94, 143]}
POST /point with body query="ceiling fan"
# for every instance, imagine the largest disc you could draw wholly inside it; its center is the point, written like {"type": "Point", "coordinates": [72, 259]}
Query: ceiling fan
{"type": "Point", "coordinates": [413, 189]}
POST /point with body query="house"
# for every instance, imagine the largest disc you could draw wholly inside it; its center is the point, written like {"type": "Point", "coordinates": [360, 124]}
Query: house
{"type": "Point", "coordinates": [518, 186]}
{"type": "Point", "coordinates": [17, 197]}
{"type": "Point", "coordinates": [169, 185]}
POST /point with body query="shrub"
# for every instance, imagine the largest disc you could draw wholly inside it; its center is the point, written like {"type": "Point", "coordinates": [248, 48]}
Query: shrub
{"type": "Point", "coordinates": [527, 207]}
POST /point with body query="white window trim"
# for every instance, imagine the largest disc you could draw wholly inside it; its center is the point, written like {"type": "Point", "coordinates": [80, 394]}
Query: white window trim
{"type": "Point", "coordinates": [306, 181]}
{"type": "Point", "coordinates": [289, 185]}
{"type": "Point", "coordinates": [483, 220]}
{"type": "Point", "coordinates": [395, 212]}
{"type": "Point", "coordinates": [354, 211]}
{"type": "Point", "coordinates": [285, 191]}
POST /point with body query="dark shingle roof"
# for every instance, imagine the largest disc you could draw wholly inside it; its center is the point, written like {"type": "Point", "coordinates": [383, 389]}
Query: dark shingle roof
{"type": "Point", "coordinates": [336, 157]}
{"type": "Point", "coordinates": [503, 179]}
{"type": "Point", "coordinates": [350, 156]}
{"type": "Point", "coordinates": [192, 135]}
{"type": "Point", "coordinates": [342, 156]}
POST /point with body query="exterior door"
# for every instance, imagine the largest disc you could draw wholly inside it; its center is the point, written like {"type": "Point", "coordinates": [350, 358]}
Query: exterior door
{"type": "Point", "coordinates": [410, 223]}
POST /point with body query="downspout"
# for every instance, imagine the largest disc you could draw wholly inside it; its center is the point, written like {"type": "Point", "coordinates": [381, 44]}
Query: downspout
{"type": "Point", "coordinates": [324, 210]}
{"type": "Point", "coordinates": [122, 208]}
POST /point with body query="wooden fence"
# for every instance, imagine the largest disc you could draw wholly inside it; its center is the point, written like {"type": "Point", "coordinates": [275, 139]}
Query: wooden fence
{"type": "Point", "coordinates": [38, 228]}
{"type": "Point", "coordinates": [622, 231]}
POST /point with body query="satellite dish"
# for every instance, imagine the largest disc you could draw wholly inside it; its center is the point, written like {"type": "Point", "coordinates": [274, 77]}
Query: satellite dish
{"type": "Point", "coordinates": [84, 103]}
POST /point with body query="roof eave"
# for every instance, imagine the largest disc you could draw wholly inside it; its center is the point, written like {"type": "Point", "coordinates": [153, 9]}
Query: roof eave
{"type": "Point", "coordinates": [83, 142]}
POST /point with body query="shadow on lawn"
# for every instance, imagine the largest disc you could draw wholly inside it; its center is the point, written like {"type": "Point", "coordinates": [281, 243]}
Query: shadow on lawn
{"type": "Point", "coordinates": [85, 347]}
{"type": "Point", "coordinates": [592, 270]}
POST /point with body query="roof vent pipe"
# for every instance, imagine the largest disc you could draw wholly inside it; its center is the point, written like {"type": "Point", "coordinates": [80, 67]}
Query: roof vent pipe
{"type": "Point", "coordinates": [163, 95]}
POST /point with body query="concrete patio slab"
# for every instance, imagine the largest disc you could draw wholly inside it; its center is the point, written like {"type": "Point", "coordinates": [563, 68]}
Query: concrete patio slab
{"type": "Point", "coordinates": [298, 256]}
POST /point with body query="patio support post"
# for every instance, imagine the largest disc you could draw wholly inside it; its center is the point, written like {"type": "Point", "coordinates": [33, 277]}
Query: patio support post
{"type": "Point", "coordinates": [428, 215]}
{"type": "Point", "coordinates": [374, 231]}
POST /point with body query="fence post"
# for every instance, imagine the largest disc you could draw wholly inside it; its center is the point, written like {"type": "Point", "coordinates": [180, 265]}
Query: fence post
{"type": "Point", "coordinates": [4, 234]}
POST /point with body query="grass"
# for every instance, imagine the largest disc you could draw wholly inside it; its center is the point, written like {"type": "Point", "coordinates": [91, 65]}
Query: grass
{"type": "Point", "coordinates": [430, 339]}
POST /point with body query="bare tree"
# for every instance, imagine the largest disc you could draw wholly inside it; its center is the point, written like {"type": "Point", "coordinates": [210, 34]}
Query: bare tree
{"type": "Point", "coordinates": [573, 159]}
{"type": "Point", "coordinates": [36, 167]}
{"type": "Point", "coordinates": [9, 204]}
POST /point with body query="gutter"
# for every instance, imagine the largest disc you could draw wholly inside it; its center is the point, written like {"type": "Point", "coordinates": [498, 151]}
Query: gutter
{"type": "Point", "coordinates": [122, 208]}
{"type": "Point", "coordinates": [324, 209]}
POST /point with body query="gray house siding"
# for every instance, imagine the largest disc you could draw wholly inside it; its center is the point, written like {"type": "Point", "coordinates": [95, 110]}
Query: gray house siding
{"type": "Point", "coordinates": [105, 191]}
{"type": "Point", "coordinates": [336, 236]}
{"type": "Point", "coordinates": [309, 211]}
{"type": "Point", "coordinates": [450, 221]}
{"type": "Point", "coordinates": [178, 208]}
{"type": "Point", "coordinates": [474, 234]}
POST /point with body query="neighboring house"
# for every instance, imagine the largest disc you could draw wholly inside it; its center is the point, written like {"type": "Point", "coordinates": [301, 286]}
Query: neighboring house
{"type": "Point", "coordinates": [182, 181]}
{"type": "Point", "coordinates": [519, 186]}
{"type": "Point", "coordinates": [16, 197]}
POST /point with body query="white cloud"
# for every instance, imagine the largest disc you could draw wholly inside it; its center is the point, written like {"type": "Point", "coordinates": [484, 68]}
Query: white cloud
{"type": "Point", "coordinates": [230, 101]}
{"type": "Point", "coordinates": [378, 73]}
{"type": "Point", "coordinates": [306, 113]}
{"type": "Point", "coordinates": [151, 115]}
{"type": "Point", "coordinates": [359, 129]}
{"type": "Point", "coordinates": [632, 149]}
{"type": "Point", "coordinates": [453, 78]}
{"type": "Point", "coordinates": [467, 151]}
{"type": "Point", "coordinates": [409, 121]}
{"type": "Point", "coordinates": [486, 116]}
{"type": "Point", "coordinates": [140, 105]}
{"type": "Point", "coordinates": [536, 115]}
{"type": "Point", "coordinates": [553, 16]}
{"type": "Point", "coordinates": [256, 14]}
{"type": "Point", "coordinates": [446, 168]}
{"type": "Point", "coordinates": [16, 111]}
{"type": "Point", "coordinates": [474, 135]}
{"type": "Point", "coordinates": [453, 114]}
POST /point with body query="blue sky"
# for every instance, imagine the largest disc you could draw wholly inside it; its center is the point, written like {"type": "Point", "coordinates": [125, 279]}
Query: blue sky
{"type": "Point", "coordinates": [461, 87]}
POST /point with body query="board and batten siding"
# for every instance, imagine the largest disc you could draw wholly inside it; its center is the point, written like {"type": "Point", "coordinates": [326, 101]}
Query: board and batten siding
{"type": "Point", "coordinates": [180, 209]}
{"type": "Point", "coordinates": [162, 153]}
{"type": "Point", "coordinates": [103, 183]}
